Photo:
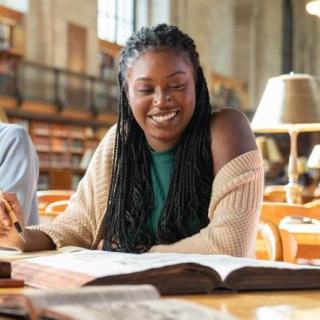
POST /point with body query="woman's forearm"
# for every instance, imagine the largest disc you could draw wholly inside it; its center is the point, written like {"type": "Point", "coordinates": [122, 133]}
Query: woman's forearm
{"type": "Point", "coordinates": [36, 241]}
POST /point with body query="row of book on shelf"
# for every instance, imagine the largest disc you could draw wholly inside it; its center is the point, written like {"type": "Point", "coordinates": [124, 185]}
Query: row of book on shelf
{"type": "Point", "coordinates": [66, 160]}
{"type": "Point", "coordinates": [61, 146]}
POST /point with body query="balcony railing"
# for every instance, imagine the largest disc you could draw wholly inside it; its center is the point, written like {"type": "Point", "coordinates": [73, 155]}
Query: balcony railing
{"type": "Point", "coordinates": [65, 89]}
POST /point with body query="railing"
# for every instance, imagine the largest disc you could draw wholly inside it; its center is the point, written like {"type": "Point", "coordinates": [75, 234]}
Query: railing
{"type": "Point", "coordinates": [66, 89]}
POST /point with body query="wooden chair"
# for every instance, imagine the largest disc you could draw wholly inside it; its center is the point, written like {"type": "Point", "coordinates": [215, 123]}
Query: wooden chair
{"type": "Point", "coordinates": [313, 204]}
{"type": "Point", "coordinates": [52, 210]}
{"type": "Point", "coordinates": [57, 207]}
{"type": "Point", "coordinates": [295, 238]}
{"type": "Point", "coordinates": [268, 242]}
{"type": "Point", "coordinates": [276, 193]}
{"type": "Point", "coordinates": [48, 197]}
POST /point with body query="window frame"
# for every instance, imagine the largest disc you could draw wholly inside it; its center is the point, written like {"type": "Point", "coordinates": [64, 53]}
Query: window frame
{"type": "Point", "coordinates": [118, 20]}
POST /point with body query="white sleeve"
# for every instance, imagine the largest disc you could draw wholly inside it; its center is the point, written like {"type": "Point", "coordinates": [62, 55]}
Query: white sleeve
{"type": "Point", "coordinates": [19, 169]}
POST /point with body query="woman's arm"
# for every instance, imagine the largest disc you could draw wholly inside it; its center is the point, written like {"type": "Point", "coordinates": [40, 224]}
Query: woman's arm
{"type": "Point", "coordinates": [236, 192]}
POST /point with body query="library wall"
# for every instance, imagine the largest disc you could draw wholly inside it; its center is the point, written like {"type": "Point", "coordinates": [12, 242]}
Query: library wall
{"type": "Point", "coordinates": [267, 45]}
{"type": "Point", "coordinates": [49, 20]}
{"type": "Point", "coordinates": [306, 45]}
{"type": "Point", "coordinates": [209, 23]}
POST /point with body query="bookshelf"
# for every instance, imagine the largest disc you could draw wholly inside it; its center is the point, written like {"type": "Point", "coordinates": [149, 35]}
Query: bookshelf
{"type": "Point", "coordinates": [64, 151]}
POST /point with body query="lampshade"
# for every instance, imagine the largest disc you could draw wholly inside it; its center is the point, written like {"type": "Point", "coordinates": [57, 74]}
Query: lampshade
{"type": "Point", "coordinates": [289, 99]}
{"type": "Point", "coordinates": [313, 7]}
{"type": "Point", "coordinates": [314, 158]}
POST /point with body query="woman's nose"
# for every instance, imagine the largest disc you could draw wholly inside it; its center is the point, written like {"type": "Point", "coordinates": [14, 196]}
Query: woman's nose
{"type": "Point", "coordinates": [161, 98]}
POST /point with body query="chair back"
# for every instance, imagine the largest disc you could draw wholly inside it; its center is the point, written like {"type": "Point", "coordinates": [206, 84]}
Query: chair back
{"type": "Point", "coordinates": [57, 207]}
{"type": "Point", "coordinates": [47, 203]}
{"type": "Point", "coordinates": [276, 193]}
{"type": "Point", "coordinates": [268, 241]}
{"type": "Point", "coordinates": [52, 210]}
{"type": "Point", "coordinates": [277, 212]}
{"type": "Point", "coordinates": [47, 196]}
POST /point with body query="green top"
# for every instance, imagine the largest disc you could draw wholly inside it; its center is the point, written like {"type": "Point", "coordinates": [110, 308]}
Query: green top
{"type": "Point", "coordinates": [161, 172]}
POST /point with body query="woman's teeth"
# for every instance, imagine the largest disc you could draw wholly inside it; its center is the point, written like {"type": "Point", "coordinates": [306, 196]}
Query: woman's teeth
{"type": "Point", "coordinates": [164, 117]}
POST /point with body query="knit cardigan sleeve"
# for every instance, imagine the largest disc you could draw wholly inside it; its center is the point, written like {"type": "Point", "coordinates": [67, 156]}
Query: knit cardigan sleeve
{"type": "Point", "coordinates": [233, 212]}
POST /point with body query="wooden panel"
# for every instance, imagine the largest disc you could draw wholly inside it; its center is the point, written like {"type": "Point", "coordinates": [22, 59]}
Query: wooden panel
{"type": "Point", "coordinates": [60, 179]}
{"type": "Point", "coordinates": [77, 56]}
{"type": "Point", "coordinates": [77, 48]}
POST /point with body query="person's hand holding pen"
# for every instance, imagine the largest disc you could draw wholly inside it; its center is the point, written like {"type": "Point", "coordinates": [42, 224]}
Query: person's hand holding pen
{"type": "Point", "coordinates": [11, 221]}
{"type": "Point", "coordinates": [12, 232]}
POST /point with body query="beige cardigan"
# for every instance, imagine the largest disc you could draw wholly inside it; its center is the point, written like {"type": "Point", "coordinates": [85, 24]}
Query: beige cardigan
{"type": "Point", "coordinates": [233, 211]}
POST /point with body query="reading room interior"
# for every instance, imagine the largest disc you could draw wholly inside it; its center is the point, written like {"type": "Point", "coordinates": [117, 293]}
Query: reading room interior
{"type": "Point", "coordinates": [61, 94]}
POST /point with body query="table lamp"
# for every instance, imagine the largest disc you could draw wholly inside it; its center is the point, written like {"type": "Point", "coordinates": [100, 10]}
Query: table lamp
{"type": "Point", "coordinates": [290, 103]}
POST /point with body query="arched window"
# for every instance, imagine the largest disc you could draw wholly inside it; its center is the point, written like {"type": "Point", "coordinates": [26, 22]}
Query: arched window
{"type": "Point", "coordinates": [116, 20]}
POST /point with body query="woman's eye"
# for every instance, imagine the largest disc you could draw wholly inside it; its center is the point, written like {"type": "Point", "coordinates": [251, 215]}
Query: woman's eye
{"type": "Point", "coordinates": [145, 90]}
{"type": "Point", "coordinates": [177, 86]}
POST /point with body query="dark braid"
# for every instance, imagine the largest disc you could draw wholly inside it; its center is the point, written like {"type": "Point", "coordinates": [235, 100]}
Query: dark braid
{"type": "Point", "coordinates": [131, 195]}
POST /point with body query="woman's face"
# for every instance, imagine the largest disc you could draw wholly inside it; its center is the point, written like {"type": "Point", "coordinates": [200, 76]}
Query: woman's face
{"type": "Point", "coordinates": [161, 94]}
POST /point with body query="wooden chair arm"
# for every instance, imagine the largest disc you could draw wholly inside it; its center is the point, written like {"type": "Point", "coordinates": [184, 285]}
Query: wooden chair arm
{"type": "Point", "coordinates": [270, 233]}
{"type": "Point", "coordinates": [276, 211]}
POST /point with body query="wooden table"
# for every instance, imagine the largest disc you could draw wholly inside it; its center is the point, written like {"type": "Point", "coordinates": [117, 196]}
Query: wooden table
{"type": "Point", "coordinates": [280, 305]}
{"type": "Point", "coordinates": [307, 237]}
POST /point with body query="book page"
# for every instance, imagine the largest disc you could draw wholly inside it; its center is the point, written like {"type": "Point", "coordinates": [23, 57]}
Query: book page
{"type": "Point", "coordinates": [10, 255]}
{"type": "Point", "coordinates": [98, 263]}
{"type": "Point", "coordinates": [148, 310]}
{"type": "Point", "coordinates": [91, 295]}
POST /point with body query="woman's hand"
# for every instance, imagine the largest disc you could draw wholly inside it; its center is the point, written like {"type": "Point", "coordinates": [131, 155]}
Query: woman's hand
{"type": "Point", "coordinates": [9, 236]}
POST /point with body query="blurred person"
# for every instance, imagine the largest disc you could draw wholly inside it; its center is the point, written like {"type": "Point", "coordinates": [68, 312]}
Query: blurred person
{"type": "Point", "coordinates": [19, 169]}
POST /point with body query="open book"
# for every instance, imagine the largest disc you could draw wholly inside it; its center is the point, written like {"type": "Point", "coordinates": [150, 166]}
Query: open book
{"type": "Point", "coordinates": [170, 273]}
{"type": "Point", "coordinates": [102, 302]}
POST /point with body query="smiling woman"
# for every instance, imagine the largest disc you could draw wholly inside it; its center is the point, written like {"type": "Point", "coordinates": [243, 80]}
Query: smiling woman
{"type": "Point", "coordinates": [172, 175]}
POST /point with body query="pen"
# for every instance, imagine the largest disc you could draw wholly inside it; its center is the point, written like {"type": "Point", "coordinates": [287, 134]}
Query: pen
{"type": "Point", "coordinates": [13, 218]}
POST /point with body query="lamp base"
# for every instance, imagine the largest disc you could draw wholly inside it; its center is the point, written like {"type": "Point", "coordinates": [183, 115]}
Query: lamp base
{"type": "Point", "coordinates": [293, 193]}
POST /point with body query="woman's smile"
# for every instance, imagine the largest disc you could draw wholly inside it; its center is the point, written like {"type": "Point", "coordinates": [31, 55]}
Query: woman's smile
{"type": "Point", "coordinates": [164, 118]}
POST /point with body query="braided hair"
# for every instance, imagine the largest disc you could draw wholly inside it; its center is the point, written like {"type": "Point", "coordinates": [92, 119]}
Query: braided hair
{"type": "Point", "coordinates": [131, 197]}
